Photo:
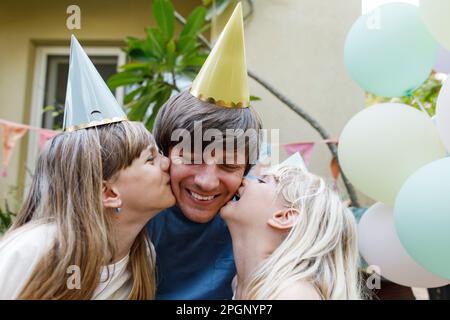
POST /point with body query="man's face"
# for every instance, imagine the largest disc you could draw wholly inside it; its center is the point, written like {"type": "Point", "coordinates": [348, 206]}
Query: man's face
{"type": "Point", "coordinates": [202, 189]}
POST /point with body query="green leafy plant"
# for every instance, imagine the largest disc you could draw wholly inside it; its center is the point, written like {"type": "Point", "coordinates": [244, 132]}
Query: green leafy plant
{"type": "Point", "coordinates": [6, 218]}
{"type": "Point", "coordinates": [57, 114]}
{"type": "Point", "coordinates": [160, 62]}
{"type": "Point", "coordinates": [9, 211]}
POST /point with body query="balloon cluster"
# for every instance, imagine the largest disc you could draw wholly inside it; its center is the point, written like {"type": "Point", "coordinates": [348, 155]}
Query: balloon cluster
{"type": "Point", "coordinates": [394, 153]}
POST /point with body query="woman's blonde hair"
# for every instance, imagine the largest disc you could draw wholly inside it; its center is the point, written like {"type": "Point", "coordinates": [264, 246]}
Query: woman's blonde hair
{"type": "Point", "coordinates": [321, 248]}
{"type": "Point", "coordinates": [67, 190]}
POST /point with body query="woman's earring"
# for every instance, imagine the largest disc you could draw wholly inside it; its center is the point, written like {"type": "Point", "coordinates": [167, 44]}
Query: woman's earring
{"type": "Point", "coordinates": [118, 210]}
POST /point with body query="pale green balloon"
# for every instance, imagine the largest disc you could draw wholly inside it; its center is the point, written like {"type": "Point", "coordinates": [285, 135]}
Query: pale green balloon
{"type": "Point", "coordinates": [422, 217]}
{"type": "Point", "coordinates": [436, 15]}
{"type": "Point", "coordinates": [389, 51]}
{"type": "Point", "coordinates": [381, 146]}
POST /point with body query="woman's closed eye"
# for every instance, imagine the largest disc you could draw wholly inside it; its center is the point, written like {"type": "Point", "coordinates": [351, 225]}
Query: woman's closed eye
{"type": "Point", "coordinates": [260, 180]}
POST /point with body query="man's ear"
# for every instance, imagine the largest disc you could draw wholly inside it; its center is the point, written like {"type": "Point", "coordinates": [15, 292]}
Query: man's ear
{"type": "Point", "coordinates": [284, 220]}
{"type": "Point", "coordinates": [110, 196]}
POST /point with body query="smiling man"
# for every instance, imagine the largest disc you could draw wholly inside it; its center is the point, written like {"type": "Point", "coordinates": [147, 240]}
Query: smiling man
{"type": "Point", "coordinates": [192, 242]}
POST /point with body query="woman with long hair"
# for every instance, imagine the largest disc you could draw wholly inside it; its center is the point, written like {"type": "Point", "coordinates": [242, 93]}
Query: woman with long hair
{"type": "Point", "coordinates": [92, 194]}
{"type": "Point", "coordinates": [80, 233]}
{"type": "Point", "coordinates": [292, 238]}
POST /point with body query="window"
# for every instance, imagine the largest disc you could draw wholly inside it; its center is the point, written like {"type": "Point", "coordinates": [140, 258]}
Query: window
{"type": "Point", "coordinates": [56, 85]}
{"type": "Point", "coordinates": [49, 88]}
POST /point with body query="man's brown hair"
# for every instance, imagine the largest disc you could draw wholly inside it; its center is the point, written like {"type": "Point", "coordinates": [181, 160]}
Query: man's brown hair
{"type": "Point", "coordinates": [183, 110]}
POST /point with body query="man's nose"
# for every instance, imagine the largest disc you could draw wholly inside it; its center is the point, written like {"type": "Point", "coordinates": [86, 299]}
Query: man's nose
{"type": "Point", "coordinates": [207, 178]}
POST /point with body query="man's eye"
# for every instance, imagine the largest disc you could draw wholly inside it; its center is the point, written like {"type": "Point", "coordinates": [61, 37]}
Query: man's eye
{"type": "Point", "coordinates": [231, 167]}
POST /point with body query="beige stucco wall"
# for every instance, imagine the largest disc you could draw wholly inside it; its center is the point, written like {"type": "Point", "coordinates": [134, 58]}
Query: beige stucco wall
{"type": "Point", "coordinates": [297, 45]}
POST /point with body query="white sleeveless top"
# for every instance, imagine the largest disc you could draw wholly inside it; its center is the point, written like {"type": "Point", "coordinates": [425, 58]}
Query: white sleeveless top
{"type": "Point", "coordinates": [22, 250]}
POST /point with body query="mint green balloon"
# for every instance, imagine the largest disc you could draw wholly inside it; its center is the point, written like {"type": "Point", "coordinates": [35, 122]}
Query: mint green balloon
{"type": "Point", "coordinates": [422, 217]}
{"type": "Point", "coordinates": [389, 51]}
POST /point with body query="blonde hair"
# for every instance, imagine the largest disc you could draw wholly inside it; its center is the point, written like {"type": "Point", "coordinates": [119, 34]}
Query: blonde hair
{"type": "Point", "coordinates": [67, 190]}
{"type": "Point", "coordinates": [321, 248]}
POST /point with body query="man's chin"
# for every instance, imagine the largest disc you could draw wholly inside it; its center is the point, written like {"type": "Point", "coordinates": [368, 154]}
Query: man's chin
{"type": "Point", "coordinates": [198, 216]}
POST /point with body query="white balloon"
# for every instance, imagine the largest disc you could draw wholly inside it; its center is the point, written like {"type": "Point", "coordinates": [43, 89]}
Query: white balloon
{"type": "Point", "coordinates": [436, 15]}
{"type": "Point", "coordinates": [381, 146]}
{"type": "Point", "coordinates": [380, 246]}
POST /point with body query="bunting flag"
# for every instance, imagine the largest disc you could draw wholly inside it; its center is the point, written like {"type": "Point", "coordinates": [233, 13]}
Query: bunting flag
{"type": "Point", "coordinates": [304, 148]}
{"type": "Point", "coordinates": [334, 168]}
{"type": "Point", "coordinates": [12, 132]}
{"type": "Point", "coordinates": [44, 136]}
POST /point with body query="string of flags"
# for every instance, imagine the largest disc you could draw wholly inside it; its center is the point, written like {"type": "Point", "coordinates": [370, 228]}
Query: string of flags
{"type": "Point", "coordinates": [12, 132]}
{"type": "Point", "coordinates": [306, 150]}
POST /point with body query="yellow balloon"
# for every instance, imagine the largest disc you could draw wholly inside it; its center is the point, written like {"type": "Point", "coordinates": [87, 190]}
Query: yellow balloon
{"type": "Point", "coordinates": [436, 15]}
{"type": "Point", "coordinates": [381, 146]}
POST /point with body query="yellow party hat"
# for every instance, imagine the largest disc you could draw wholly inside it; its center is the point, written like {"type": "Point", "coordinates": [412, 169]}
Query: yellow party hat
{"type": "Point", "coordinates": [223, 78]}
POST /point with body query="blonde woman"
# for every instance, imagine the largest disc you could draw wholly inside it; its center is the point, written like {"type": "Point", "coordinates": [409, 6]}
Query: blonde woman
{"type": "Point", "coordinates": [79, 234]}
{"type": "Point", "coordinates": [292, 239]}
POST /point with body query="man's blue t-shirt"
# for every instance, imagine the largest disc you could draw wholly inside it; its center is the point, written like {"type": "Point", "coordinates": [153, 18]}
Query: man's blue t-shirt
{"type": "Point", "coordinates": [193, 260]}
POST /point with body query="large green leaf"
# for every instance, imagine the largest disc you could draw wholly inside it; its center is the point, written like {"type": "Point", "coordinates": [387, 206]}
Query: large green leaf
{"type": "Point", "coordinates": [130, 96]}
{"type": "Point", "coordinates": [139, 107]}
{"type": "Point", "coordinates": [133, 42]}
{"type": "Point", "coordinates": [186, 45]}
{"type": "Point", "coordinates": [164, 14]}
{"type": "Point", "coordinates": [194, 23]}
{"type": "Point", "coordinates": [136, 66]}
{"type": "Point", "coordinates": [170, 51]}
{"type": "Point", "coordinates": [196, 60]}
{"type": "Point", "coordinates": [123, 78]}
{"type": "Point", "coordinates": [156, 42]}
{"type": "Point", "coordinates": [160, 98]}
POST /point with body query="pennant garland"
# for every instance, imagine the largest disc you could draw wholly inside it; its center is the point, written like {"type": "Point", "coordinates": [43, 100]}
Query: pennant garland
{"type": "Point", "coordinates": [306, 150]}
{"type": "Point", "coordinates": [12, 132]}
{"type": "Point", "coordinates": [44, 136]}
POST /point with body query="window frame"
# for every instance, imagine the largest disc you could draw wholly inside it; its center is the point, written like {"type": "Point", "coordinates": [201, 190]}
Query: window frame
{"type": "Point", "coordinates": [38, 91]}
